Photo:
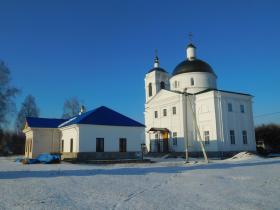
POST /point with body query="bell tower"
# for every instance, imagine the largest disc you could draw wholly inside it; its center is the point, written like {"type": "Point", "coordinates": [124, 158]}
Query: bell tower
{"type": "Point", "coordinates": [156, 79]}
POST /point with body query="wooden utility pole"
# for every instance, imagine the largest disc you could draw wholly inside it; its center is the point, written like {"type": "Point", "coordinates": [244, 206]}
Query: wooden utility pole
{"type": "Point", "coordinates": [197, 129]}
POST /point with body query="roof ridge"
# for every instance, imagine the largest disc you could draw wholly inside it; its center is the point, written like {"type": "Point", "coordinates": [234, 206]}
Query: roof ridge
{"type": "Point", "coordinates": [45, 118]}
{"type": "Point", "coordinates": [102, 116]}
{"type": "Point", "coordinates": [120, 113]}
{"type": "Point", "coordinates": [43, 122]}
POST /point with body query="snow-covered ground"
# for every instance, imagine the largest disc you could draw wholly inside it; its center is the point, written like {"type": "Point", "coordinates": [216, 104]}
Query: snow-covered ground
{"type": "Point", "coordinates": [244, 182]}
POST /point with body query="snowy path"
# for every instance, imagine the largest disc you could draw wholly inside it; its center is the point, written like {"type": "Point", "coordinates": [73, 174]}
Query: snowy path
{"type": "Point", "coordinates": [246, 184]}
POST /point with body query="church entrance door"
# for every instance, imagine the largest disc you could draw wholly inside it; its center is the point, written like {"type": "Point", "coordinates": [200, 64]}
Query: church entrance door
{"type": "Point", "coordinates": [165, 142]}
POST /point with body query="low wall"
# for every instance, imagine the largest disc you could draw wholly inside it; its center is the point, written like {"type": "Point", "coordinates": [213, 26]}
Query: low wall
{"type": "Point", "coordinates": [222, 155]}
{"type": "Point", "coordinates": [81, 156]}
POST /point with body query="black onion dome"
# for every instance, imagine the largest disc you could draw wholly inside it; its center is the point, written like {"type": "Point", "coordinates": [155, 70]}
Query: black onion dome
{"type": "Point", "coordinates": [193, 66]}
{"type": "Point", "coordinates": [157, 69]}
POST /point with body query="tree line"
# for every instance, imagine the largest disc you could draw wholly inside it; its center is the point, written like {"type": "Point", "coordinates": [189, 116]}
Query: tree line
{"type": "Point", "coordinates": [13, 140]}
{"type": "Point", "coordinates": [268, 138]}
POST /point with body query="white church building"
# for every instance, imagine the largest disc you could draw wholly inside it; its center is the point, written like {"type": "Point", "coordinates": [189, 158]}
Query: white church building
{"type": "Point", "coordinates": [187, 107]}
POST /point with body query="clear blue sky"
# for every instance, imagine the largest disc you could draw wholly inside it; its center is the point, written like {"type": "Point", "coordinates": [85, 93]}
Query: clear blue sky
{"type": "Point", "coordinates": [101, 50]}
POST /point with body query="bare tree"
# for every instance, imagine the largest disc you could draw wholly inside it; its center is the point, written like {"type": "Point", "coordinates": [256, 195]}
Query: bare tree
{"type": "Point", "coordinates": [71, 107]}
{"type": "Point", "coordinates": [7, 94]}
{"type": "Point", "coordinates": [28, 109]}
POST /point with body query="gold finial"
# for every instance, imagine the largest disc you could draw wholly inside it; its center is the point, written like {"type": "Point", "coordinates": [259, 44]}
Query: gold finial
{"type": "Point", "coordinates": [156, 61]}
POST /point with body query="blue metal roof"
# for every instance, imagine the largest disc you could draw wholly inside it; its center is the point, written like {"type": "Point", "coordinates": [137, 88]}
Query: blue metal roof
{"type": "Point", "coordinates": [102, 116]}
{"type": "Point", "coordinates": [99, 116]}
{"type": "Point", "coordinates": [35, 122]}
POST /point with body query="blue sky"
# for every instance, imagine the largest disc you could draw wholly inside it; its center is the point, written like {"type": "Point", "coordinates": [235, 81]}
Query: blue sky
{"type": "Point", "coordinates": [100, 51]}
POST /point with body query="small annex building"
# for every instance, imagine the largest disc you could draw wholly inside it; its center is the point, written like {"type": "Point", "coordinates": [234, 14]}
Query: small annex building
{"type": "Point", "coordinates": [101, 133]}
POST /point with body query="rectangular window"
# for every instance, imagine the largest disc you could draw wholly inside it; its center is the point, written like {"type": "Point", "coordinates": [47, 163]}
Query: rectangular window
{"type": "Point", "coordinates": [156, 114]}
{"type": "Point", "coordinates": [230, 107]}
{"type": "Point", "coordinates": [122, 144]}
{"type": "Point", "coordinates": [174, 110]}
{"type": "Point", "coordinates": [164, 112]}
{"type": "Point", "coordinates": [242, 109]}
{"type": "Point", "coordinates": [244, 134]}
{"type": "Point", "coordinates": [99, 144]}
{"type": "Point", "coordinates": [232, 136]}
{"type": "Point", "coordinates": [62, 145]}
{"type": "Point", "coordinates": [206, 137]}
{"type": "Point", "coordinates": [71, 145]}
{"type": "Point", "coordinates": [175, 138]}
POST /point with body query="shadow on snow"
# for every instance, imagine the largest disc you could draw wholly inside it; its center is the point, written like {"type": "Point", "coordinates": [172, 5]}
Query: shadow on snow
{"type": "Point", "coordinates": [126, 171]}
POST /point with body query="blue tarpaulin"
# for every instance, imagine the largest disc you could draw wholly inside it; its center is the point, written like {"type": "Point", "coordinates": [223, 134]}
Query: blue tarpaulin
{"type": "Point", "coordinates": [45, 158]}
{"type": "Point", "coordinates": [48, 158]}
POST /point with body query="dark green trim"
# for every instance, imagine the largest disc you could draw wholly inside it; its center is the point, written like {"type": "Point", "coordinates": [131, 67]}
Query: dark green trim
{"type": "Point", "coordinates": [157, 69]}
{"type": "Point", "coordinates": [224, 91]}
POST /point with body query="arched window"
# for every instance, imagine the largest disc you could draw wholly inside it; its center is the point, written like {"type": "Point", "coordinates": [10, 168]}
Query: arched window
{"type": "Point", "coordinates": [192, 82]}
{"type": "Point", "coordinates": [162, 85]}
{"type": "Point", "coordinates": [150, 90]}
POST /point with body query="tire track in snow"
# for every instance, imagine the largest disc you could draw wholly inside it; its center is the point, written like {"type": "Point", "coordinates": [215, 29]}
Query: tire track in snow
{"type": "Point", "coordinates": [137, 193]}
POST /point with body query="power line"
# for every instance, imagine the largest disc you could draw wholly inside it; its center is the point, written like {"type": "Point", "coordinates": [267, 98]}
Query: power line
{"type": "Point", "coordinates": [267, 114]}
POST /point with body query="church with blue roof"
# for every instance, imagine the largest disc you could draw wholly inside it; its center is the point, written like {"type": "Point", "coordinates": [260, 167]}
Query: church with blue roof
{"type": "Point", "coordinates": [101, 133]}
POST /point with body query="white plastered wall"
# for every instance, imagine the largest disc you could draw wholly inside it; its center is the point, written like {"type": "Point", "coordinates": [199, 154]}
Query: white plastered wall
{"type": "Point", "coordinates": [44, 140]}
{"type": "Point", "coordinates": [206, 120]}
{"type": "Point", "coordinates": [235, 120]}
{"type": "Point", "coordinates": [173, 122]}
{"type": "Point", "coordinates": [68, 133]}
{"type": "Point", "coordinates": [111, 134]}
{"type": "Point", "coordinates": [155, 77]}
{"type": "Point", "coordinates": [202, 81]}
{"type": "Point", "coordinates": [212, 115]}
{"type": "Point", "coordinates": [28, 140]}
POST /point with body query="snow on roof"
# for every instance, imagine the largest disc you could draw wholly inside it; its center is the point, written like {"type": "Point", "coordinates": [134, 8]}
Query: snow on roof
{"type": "Point", "coordinates": [67, 122]}
{"type": "Point", "coordinates": [99, 116]}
